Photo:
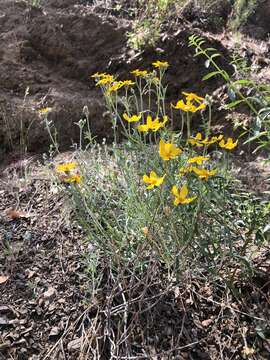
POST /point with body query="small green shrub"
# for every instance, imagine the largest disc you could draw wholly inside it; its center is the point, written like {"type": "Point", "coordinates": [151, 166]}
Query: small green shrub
{"type": "Point", "coordinates": [159, 197]}
{"type": "Point", "coordinates": [242, 9]}
{"type": "Point", "coordinates": [242, 89]}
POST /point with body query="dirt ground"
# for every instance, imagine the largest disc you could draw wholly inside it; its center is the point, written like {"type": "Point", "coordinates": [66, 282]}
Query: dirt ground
{"type": "Point", "coordinates": [47, 310]}
{"type": "Point", "coordinates": [48, 52]}
{"type": "Point", "coordinates": [47, 307]}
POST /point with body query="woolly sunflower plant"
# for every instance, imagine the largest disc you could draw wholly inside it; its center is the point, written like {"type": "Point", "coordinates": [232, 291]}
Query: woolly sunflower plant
{"type": "Point", "coordinates": [159, 193]}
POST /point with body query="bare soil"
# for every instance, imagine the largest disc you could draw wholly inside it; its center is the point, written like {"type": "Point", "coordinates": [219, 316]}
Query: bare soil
{"type": "Point", "coordinates": [48, 52]}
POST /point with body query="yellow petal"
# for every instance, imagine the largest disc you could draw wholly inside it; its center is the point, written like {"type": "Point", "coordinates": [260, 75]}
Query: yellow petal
{"type": "Point", "coordinates": [143, 128]}
{"type": "Point", "coordinates": [149, 121]}
{"type": "Point", "coordinates": [189, 200]}
{"type": "Point", "coordinates": [146, 179]}
{"type": "Point", "coordinates": [183, 192]}
{"type": "Point", "coordinates": [175, 191]}
{"type": "Point", "coordinates": [153, 174]}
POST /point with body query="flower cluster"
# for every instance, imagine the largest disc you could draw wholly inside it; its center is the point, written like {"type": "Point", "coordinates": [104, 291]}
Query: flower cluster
{"type": "Point", "coordinates": [169, 151]}
{"type": "Point", "coordinates": [153, 125]}
{"type": "Point", "coordinates": [194, 168]}
{"type": "Point", "coordinates": [66, 175]}
{"type": "Point", "coordinates": [193, 103]}
{"type": "Point", "coordinates": [199, 141]}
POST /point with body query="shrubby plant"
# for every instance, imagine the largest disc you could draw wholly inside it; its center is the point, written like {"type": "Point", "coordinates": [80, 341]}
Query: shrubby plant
{"type": "Point", "coordinates": [159, 195]}
{"type": "Point", "coordinates": [242, 89]}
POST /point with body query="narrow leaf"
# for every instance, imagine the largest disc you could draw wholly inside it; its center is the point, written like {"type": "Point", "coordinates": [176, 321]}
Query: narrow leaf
{"type": "Point", "coordinates": [215, 56]}
{"type": "Point", "coordinates": [233, 104]}
{"type": "Point", "coordinates": [210, 75]}
{"type": "Point", "coordinates": [242, 82]}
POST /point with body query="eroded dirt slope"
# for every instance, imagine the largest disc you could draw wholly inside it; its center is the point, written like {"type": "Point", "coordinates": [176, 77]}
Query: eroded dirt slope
{"type": "Point", "coordinates": [51, 50]}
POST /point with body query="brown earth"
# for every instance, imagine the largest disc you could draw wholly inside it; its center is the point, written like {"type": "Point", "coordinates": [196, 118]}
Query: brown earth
{"type": "Point", "coordinates": [48, 309]}
{"type": "Point", "coordinates": [50, 51]}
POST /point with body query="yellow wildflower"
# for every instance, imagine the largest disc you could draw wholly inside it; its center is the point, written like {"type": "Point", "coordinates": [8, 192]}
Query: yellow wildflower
{"type": "Point", "coordinates": [66, 167]}
{"type": "Point", "coordinates": [160, 64]}
{"type": "Point", "coordinates": [115, 86]}
{"type": "Point", "coordinates": [118, 85]}
{"type": "Point", "coordinates": [156, 80]}
{"type": "Point", "coordinates": [185, 169]}
{"type": "Point", "coordinates": [74, 178]}
{"type": "Point", "coordinates": [193, 97]}
{"type": "Point", "coordinates": [139, 73]}
{"type": "Point", "coordinates": [44, 110]}
{"type": "Point", "coordinates": [128, 83]}
{"type": "Point", "coordinates": [189, 106]}
{"type": "Point", "coordinates": [153, 180]}
{"type": "Point", "coordinates": [153, 125]}
{"type": "Point", "coordinates": [198, 160]}
{"type": "Point", "coordinates": [197, 140]}
{"type": "Point", "coordinates": [229, 145]}
{"type": "Point", "coordinates": [99, 75]}
{"type": "Point", "coordinates": [107, 79]}
{"type": "Point", "coordinates": [168, 151]}
{"type": "Point", "coordinates": [215, 139]}
{"type": "Point", "coordinates": [194, 109]}
{"type": "Point", "coordinates": [180, 105]}
{"type": "Point", "coordinates": [133, 118]}
{"type": "Point", "coordinates": [181, 195]}
{"type": "Point", "coordinates": [204, 173]}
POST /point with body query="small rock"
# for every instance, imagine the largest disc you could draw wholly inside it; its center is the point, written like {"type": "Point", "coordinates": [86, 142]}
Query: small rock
{"type": "Point", "coordinates": [54, 331]}
{"type": "Point", "coordinates": [4, 321]}
{"type": "Point", "coordinates": [206, 323]}
{"type": "Point", "coordinates": [49, 293]}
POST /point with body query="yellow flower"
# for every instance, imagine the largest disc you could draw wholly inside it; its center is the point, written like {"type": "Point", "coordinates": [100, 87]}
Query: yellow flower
{"type": "Point", "coordinates": [189, 106]}
{"type": "Point", "coordinates": [204, 173]}
{"type": "Point", "coordinates": [66, 167]}
{"type": "Point", "coordinates": [115, 87]}
{"type": "Point", "coordinates": [153, 125]}
{"type": "Point", "coordinates": [139, 73]}
{"type": "Point", "coordinates": [184, 170]}
{"type": "Point", "coordinates": [198, 160]}
{"type": "Point", "coordinates": [215, 139]}
{"type": "Point", "coordinates": [181, 195]}
{"type": "Point", "coordinates": [133, 118]}
{"type": "Point", "coordinates": [99, 75]}
{"type": "Point", "coordinates": [230, 145]}
{"type": "Point", "coordinates": [168, 151]}
{"type": "Point", "coordinates": [128, 83]}
{"type": "Point", "coordinates": [74, 178]}
{"type": "Point", "coordinates": [180, 105]}
{"type": "Point", "coordinates": [106, 79]}
{"type": "Point", "coordinates": [153, 180]}
{"type": "Point", "coordinates": [44, 110]}
{"type": "Point", "coordinates": [193, 97]}
{"type": "Point", "coordinates": [160, 64]}
{"type": "Point", "coordinates": [197, 141]}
